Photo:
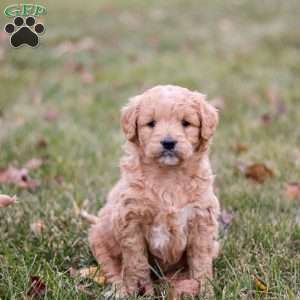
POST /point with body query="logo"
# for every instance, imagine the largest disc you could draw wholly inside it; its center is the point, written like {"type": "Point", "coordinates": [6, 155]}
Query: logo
{"type": "Point", "coordinates": [24, 30]}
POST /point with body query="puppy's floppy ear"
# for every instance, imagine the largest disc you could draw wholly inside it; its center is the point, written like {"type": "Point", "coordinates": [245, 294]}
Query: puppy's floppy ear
{"type": "Point", "coordinates": [129, 115]}
{"type": "Point", "coordinates": [209, 117]}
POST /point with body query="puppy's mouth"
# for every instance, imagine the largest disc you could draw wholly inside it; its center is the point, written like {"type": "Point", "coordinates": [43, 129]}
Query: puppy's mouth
{"type": "Point", "coordinates": [169, 158]}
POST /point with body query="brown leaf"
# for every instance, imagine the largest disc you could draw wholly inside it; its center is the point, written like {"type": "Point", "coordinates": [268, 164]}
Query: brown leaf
{"type": "Point", "coordinates": [91, 272]}
{"type": "Point", "coordinates": [19, 177]}
{"type": "Point", "coordinates": [292, 190]}
{"type": "Point", "coordinates": [41, 143]}
{"type": "Point", "coordinates": [240, 148]}
{"type": "Point", "coordinates": [6, 200]}
{"type": "Point", "coordinates": [12, 175]}
{"type": "Point", "coordinates": [59, 179]}
{"type": "Point", "coordinates": [33, 164]}
{"type": "Point", "coordinates": [258, 172]}
{"type": "Point", "coordinates": [266, 118]}
{"type": "Point", "coordinates": [259, 284]}
{"type": "Point", "coordinates": [38, 227]}
{"type": "Point", "coordinates": [37, 288]}
{"type": "Point", "coordinates": [29, 183]}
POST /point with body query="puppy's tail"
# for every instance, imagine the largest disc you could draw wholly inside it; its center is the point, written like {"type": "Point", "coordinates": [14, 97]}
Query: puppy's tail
{"type": "Point", "coordinates": [91, 219]}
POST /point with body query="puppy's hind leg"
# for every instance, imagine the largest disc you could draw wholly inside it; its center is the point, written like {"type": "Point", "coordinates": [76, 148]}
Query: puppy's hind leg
{"type": "Point", "coordinates": [106, 252]}
{"type": "Point", "coordinates": [202, 249]}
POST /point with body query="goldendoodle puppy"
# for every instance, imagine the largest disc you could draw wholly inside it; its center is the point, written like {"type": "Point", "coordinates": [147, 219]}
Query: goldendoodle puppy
{"type": "Point", "coordinates": [163, 208]}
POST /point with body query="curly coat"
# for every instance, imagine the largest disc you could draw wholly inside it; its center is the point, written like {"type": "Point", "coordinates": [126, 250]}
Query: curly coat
{"type": "Point", "coordinates": [163, 207]}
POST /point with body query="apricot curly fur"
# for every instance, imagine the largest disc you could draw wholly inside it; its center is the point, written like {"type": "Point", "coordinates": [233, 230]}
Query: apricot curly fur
{"type": "Point", "coordinates": [163, 207]}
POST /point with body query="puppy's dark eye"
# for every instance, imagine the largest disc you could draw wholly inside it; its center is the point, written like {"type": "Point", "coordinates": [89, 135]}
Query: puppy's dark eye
{"type": "Point", "coordinates": [185, 123]}
{"type": "Point", "coordinates": [151, 124]}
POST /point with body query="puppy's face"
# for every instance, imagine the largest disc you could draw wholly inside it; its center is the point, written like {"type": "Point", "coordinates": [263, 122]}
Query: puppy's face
{"type": "Point", "coordinates": [169, 123]}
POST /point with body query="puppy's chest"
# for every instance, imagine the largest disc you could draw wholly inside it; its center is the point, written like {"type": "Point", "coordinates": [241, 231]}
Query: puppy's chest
{"type": "Point", "coordinates": [169, 196]}
{"type": "Point", "coordinates": [167, 234]}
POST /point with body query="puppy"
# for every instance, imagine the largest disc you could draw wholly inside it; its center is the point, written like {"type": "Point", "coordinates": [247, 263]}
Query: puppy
{"type": "Point", "coordinates": [163, 208]}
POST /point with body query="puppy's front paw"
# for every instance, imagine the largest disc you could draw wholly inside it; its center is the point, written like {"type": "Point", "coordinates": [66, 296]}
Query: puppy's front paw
{"type": "Point", "coordinates": [146, 290]}
{"type": "Point", "coordinates": [187, 286]}
{"type": "Point", "coordinates": [119, 291]}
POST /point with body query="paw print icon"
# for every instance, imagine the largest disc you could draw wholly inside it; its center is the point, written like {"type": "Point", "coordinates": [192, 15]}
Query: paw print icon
{"type": "Point", "coordinates": [24, 31]}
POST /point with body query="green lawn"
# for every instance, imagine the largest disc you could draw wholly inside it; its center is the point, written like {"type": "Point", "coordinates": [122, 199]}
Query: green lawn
{"type": "Point", "coordinates": [96, 54]}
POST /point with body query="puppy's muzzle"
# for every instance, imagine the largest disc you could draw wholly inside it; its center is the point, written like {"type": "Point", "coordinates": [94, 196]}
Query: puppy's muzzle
{"type": "Point", "coordinates": [168, 154]}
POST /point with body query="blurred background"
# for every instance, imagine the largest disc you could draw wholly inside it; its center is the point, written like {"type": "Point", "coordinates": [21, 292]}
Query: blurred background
{"type": "Point", "coordinates": [60, 140]}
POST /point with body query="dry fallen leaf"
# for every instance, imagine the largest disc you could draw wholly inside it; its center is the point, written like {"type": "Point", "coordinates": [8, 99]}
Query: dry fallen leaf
{"type": "Point", "coordinates": [91, 272]}
{"type": "Point", "coordinates": [91, 219]}
{"type": "Point", "coordinates": [19, 177]}
{"type": "Point", "coordinates": [38, 227]}
{"type": "Point", "coordinates": [59, 179]}
{"type": "Point", "coordinates": [6, 200]}
{"type": "Point", "coordinates": [258, 172]}
{"type": "Point", "coordinates": [240, 148]}
{"type": "Point", "coordinates": [41, 143]}
{"type": "Point", "coordinates": [292, 190]}
{"type": "Point", "coordinates": [259, 284]}
{"type": "Point", "coordinates": [37, 288]}
{"type": "Point", "coordinates": [266, 118]}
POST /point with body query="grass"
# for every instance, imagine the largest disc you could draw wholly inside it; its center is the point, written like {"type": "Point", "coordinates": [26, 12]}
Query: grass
{"type": "Point", "coordinates": [239, 50]}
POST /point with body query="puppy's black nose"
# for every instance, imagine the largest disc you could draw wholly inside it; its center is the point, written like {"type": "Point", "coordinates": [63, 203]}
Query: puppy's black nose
{"type": "Point", "coordinates": [168, 143]}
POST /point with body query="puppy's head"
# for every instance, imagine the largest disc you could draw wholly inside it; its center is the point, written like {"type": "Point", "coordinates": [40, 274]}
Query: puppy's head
{"type": "Point", "coordinates": [169, 123]}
